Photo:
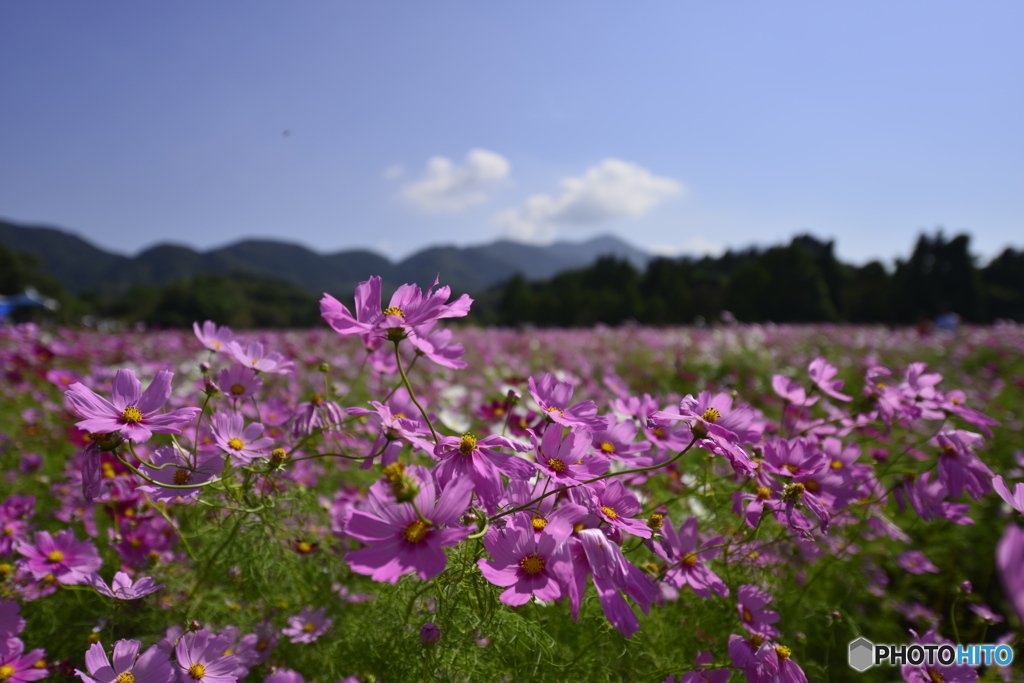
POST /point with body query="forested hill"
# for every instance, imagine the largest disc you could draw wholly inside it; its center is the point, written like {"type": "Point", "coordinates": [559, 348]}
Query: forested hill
{"type": "Point", "coordinates": [799, 282]}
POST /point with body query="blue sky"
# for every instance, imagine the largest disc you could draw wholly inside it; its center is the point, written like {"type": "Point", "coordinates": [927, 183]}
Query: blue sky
{"type": "Point", "coordinates": [683, 127]}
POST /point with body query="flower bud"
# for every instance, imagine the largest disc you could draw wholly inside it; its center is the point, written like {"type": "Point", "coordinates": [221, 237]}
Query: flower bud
{"type": "Point", "coordinates": [966, 587]}
{"type": "Point", "coordinates": [405, 489]}
{"type": "Point", "coordinates": [429, 634]}
{"type": "Point", "coordinates": [699, 429]}
{"type": "Point", "coordinates": [204, 367]}
{"type": "Point", "coordinates": [210, 387]}
{"type": "Point", "coordinates": [324, 367]}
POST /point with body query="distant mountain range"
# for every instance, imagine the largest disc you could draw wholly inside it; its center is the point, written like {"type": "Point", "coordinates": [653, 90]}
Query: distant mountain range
{"type": "Point", "coordinates": [83, 267]}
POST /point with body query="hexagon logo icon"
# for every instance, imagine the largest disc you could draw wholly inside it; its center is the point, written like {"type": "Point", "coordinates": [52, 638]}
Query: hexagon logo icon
{"type": "Point", "coordinates": [862, 654]}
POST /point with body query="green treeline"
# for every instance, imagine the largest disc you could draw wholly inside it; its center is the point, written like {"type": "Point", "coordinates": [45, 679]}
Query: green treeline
{"type": "Point", "coordinates": [800, 282]}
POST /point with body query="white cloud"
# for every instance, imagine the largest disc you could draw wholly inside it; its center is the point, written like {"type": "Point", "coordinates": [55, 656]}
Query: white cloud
{"type": "Point", "coordinates": [393, 172]}
{"type": "Point", "coordinates": [698, 245]}
{"type": "Point", "coordinates": [446, 187]}
{"type": "Point", "coordinates": [612, 189]}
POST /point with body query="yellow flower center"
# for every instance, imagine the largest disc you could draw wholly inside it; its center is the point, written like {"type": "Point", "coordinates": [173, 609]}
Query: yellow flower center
{"type": "Point", "coordinates": [747, 616]}
{"type": "Point", "coordinates": [655, 521]}
{"type": "Point", "coordinates": [415, 531]}
{"type": "Point", "coordinates": [181, 477]}
{"type": "Point", "coordinates": [468, 444]}
{"type": "Point", "coordinates": [55, 556]}
{"type": "Point", "coordinates": [197, 671]}
{"type": "Point", "coordinates": [303, 547]}
{"type": "Point", "coordinates": [790, 467]}
{"type": "Point", "coordinates": [262, 645]}
{"type": "Point", "coordinates": [836, 465]}
{"type": "Point", "coordinates": [764, 493]}
{"type": "Point", "coordinates": [394, 310]}
{"type": "Point", "coordinates": [556, 465]}
{"type": "Point", "coordinates": [278, 455]}
{"type": "Point", "coordinates": [783, 652]}
{"type": "Point", "coordinates": [236, 443]}
{"type": "Point", "coordinates": [711, 415]}
{"type": "Point", "coordinates": [948, 450]}
{"type": "Point", "coordinates": [689, 559]}
{"type": "Point", "coordinates": [131, 415]}
{"type": "Point", "coordinates": [309, 627]}
{"type": "Point", "coordinates": [935, 676]}
{"type": "Point", "coordinates": [108, 470]}
{"type": "Point", "coordinates": [49, 578]}
{"type": "Point", "coordinates": [756, 640]}
{"type": "Point", "coordinates": [812, 485]}
{"type": "Point", "coordinates": [607, 447]}
{"type": "Point", "coordinates": [532, 564]}
{"type": "Point", "coordinates": [538, 523]}
{"type": "Point", "coordinates": [237, 389]}
{"type": "Point", "coordinates": [6, 671]}
{"type": "Point", "coordinates": [659, 432]}
{"type": "Point", "coordinates": [135, 543]}
{"type": "Point", "coordinates": [795, 490]}
{"type": "Point", "coordinates": [394, 472]}
{"type": "Point", "coordinates": [609, 512]}
{"type": "Point", "coordinates": [126, 677]}
{"type": "Point", "coordinates": [552, 409]}
{"type": "Point", "coordinates": [316, 399]}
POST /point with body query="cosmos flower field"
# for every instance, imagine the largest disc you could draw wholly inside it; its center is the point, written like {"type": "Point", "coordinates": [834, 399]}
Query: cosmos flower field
{"type": "Point", "coordinates": [401, 496]}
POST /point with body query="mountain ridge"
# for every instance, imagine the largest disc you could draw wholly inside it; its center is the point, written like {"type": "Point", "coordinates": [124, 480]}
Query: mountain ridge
{"type": "Point", "coordinates": [81, 266]}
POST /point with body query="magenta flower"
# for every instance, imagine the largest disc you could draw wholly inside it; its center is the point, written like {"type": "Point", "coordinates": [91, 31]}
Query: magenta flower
{"type": "Point", "coordinates": [122, 587]}
{"type": "Point", "coordinates": [616, 505]}
{"type": "Point", "coordinates": [242, 442]}
{"type": "Point", "coordinates": [822, 372]}
{"type": "Point", "coordinates": [1010, 563]}
{"type": "Point", "coordinates": [409, 307]}
{"type": "Point", "coordinates": [399, 540]}
{"type": "Point", "coordinates": [20, 667]}
{"type": "Point", "coordinates": [566, 460]}
{"type": "Point", "coordinates": [1015, 499]}
{"type": "Point", "coordinates": [201, 657]}
{"type": "Point", "coordinates": [213, 337]}
{"type": "Point", "coordinates": [11, 623]}
{"type": "Point", "coordinates": [613, 576]}
{"type": "Point", "coordinates": [926, 673]}
{"type": "Point", "coordinates": [704, 673]}
{"type": "Point", "coordinates": [254, 356]}
{"type": "Point", "coordinates": [688, 568]}
{"type": "Point", "coordinates": [394, 430]}
{"type": "Point", "coordinates": [177, 469]}
{"type": "Point", "coordinates": [437, 346]}
{"type": "Point", "coordinates": [553, 398]}
{"type": "Point", "coordinates": [284, 676]}
{"type": "Point", "coordinates": [527, 563]}
{"type": "Point", "coordinates": [791, 392]}
{"type": "Point", "coordinates": [315, 413]}
{"type": "Point", "coordinates": [476, 459]}
{"type": "Point", "coordinates": [307, 625]}
{"type": "Point", "coordinates": [154, 666]}
{"type": "Point", "coordinates": [63, 557]}
{"type": "Point", "coordinates": [915, 562]}
{"type": "Point", "coordinates": [239, 382]}
{"type": "Point", "coordinates": [130, 411]}
{"type": "Point", "coordinates": [753, 617]}
{"type": "Point", "coordinates": [616, 440]}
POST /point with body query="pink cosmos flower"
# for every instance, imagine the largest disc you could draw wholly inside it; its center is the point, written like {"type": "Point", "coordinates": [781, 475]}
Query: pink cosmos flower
{"type": "Point", "coordinates": [11, 623]}
{"type": "Point", "coordinates": [284, 676]}
{"type": "Point", "coordinates": [477, 460]}
{"type": "Point", "coordinates": [527, 563]}
{"type": "Point", "coordinates": [400, 541]}
{"type": "Point", "coordinates": [409, 307]}
{"type": "Point", "coordinates": [613, 576]}
{"type": "Point", "coordinates": [926, 673]}
{"type": "Point", "coordinates": [244, 443]}
{"type": "Point", "coordinates": [130, 412]}
{"type": "Point", "coordinates": [394, 430]}
{"type": "Point", "coordinates": [616, 505]}
{"type": "Point", "coordinates": [553, 398]}
{"type": "Point", "coordinates": [437, 346]}
{"type": "Point", "coordinates": [915, 562]}
{"type": "Point", "coordinates": [154, 666]}
{"type": "Point", "coordinates": [566, 460]}
{"type": "Point", "coordinates": [307, 625]}
{"type": "Point", "coordinates": [201, 657]}
{"type": "Point", "coordinates": [254, 356]}
{"type": "Point", "coordinates": [213, 337]}
{"type": "Point", "coordinates": [688, 568]}
{"type": "Point", "coordinates": [239, 382]}
{"type": "Point", "coordinates": [178, 469]}
{"type": "Point", "coordinates": [753, 617]}
{"type": "Point", "coordinates": [704, 673]}
{"type": "Point", "coordinates": [1010, 563]}
{"type": "Point", "coordinates": [790, 391]}
{"type": "Point", "coordinates": [65, 558]}
{"type": "Point", "coordinates": [822, 372]}
{"type": "Point", "coordinates": [122, 587]}
{"type": "Point", "coordinates": [19, 666]}
{"type": "Point", "coordinates": [1015, 499]}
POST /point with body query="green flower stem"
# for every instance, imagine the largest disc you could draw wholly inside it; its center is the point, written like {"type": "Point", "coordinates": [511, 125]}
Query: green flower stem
{"type": "Point", "coordinates": [412, 394]}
